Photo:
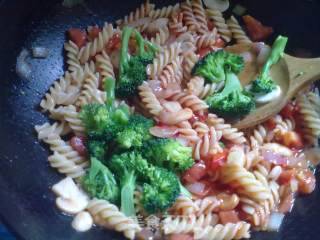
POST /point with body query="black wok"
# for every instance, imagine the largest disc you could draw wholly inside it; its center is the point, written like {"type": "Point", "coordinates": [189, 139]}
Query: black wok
{"type": "Point", "coordinates": [26, 202]}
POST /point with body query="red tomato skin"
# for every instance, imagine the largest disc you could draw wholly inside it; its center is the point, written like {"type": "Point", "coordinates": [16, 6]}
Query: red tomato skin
{"type": "Point", "coordinates": [78, 144]}
{"type": "Point", "coordinates": [219, 43]}
{"type": "Point", "coordinates": [195, 173]}
{"type": "Point", "coordinates": [292, 140]}
{"type": "Point", "coordinates": [256, 30]}
{"type": "Point", "coordinates": [94, 32]}
{"type": "Point", "coordinates": [217, 160]}
{"type": "Point", "coordinates": [286, 176]}
{"type": "Point", "coordinates": [204, 51]}
{"type": "Point", "coordinates": [77, 36]}
{"type": "Point", "coordinates": [228, 217]}
{"type": "Point", "coordinates": [287, 111]}
{"type": "Point", "coordinates": [271, 123]}
{"type": "Point", "coordinates": [210, 25]}
{"type": "Point", "coordinates": [114, 43]}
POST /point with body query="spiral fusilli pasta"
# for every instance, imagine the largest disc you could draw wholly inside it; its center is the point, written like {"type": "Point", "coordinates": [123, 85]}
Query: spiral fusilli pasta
{"type": "Point", "coordinates": [237, 32]}
{"type": "Point", "coordinates": [220, 23]}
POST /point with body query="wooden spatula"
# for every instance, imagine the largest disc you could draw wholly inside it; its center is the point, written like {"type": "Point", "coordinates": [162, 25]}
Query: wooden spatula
{"type": "Point", "coordinates": [291, 74]}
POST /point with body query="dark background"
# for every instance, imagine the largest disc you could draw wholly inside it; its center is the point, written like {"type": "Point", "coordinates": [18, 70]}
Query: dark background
{"type": "Point", "coordinates": [26, 202]}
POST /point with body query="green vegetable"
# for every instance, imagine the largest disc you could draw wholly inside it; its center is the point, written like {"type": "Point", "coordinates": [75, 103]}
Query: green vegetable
{"type": "Point", "coordinates": [99, 182]}
{"type": "Point", "coordinates": [160, 187]}
{"type": "Point", "coordinates": [212, 66]}
{"type": "Point", "coordinates": [97, 149]}
{"type": "Point", "coordinates": [264, 83]}
{"type": "Point", "coordinates": [168, 153]}
{"type": "Point", "coordinates": [135, 133]}
{"type": "Point", "coordinates": [161, 192]}
{"type": "Point", "coordinates": [132, 69]}
{"type": "Point", "coordinates": [233, 101]}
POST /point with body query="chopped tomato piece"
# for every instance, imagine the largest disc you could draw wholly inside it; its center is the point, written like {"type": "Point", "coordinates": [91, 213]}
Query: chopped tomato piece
{"type": "Point", "coordinates": [94, 32]}
{"type": "Point", "coordinates": [292, 140]}
{"type": "Point", "coordinates": [217, 160]}
{"type": "Point", "coordinates": [114, 43]}
{"type": "Point", "coordinates": [219, 43]}
{"type": "Point", "coordinates": [306, 181]}
{"type": "Point", "coordinates": [286, 176]}
{"type": "Point", "coordinates": [288, 111]}
{"type": "Point", "coordinates": [228, 217]}
{"type": "Point", "coordinates": [256, 30]}
{"type": "Point", "coordinates": [181, 237]}
{"type": "Point", "coordinates": [271, 123]}
{"type": "Point", "coordinates": [77, 36]}
{"type": "Point", "coordinates": [204, 51]}
{"type": "Point", "coordinates": [286, 203]}
{"type": "Point", "coordinates": [78, 144]}
{"type": "Point", "coordinates": [195, 173]}
{"type": "Point", "coordinates": [210, 25]}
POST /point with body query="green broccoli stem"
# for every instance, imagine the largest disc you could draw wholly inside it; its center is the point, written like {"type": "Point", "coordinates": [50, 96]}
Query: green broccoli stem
{"type": "Point", "coordinates": [124, 55]}
{"type": "Point", "coordinates": [142, 43]}
{"type": "Point", "coordinates": [276, 53]}
{"type": "Point", "coordinates": [184, 191]}
{"type": "Point", "coordinates": [232, 83]}
{"type": "Point", "coordinates": [128, 183]}
{"type": "Point", "coordinates": [109, 87]}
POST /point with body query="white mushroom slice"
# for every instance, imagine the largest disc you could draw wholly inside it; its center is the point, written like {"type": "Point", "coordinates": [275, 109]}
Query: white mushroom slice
{"type": "Point", "coordinates": [220, 5]}
{"type": "Point", "coordinates": [82, 222]}
{"type": "Point", "coordinates": [269, 96]}
{"type": "Point", "coordinates": [71, 199]}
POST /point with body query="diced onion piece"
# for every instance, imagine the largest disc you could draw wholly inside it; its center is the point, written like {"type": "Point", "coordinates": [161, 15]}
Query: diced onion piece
{"type": "Point", "coordinates": [163, 132]}
{"type": "Point", "coordinates": [82, 222]}
{"type": "Point", "coordinates": [265, 98]}
{"type": "Point", "coordinates": [263, 52]}
{"type": "Point", "coordinates": [239, 10]}
{"type": "Point", "coordinates": [23, 69]}
{"type": "Point", "coordinates": [196, 188]}
{"type": "Point", "coordinates": [275, 221]}
{"type": "Point", "coordinates": [40, 52]}
{"type": "Point", "coordinates": [220, 5]}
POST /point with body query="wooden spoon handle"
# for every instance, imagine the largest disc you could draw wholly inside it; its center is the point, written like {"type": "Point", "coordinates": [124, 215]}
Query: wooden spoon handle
{"type": "Point", "coordinates": [302, 72]}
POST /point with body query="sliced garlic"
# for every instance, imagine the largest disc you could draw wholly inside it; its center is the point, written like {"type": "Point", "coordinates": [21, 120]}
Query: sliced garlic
{"type": "Point", "coordinates": [82, 222]}
{"type": "Point", "coordinates": [71, 199]}
{"type": "Point", "coordinates": [220, 5]}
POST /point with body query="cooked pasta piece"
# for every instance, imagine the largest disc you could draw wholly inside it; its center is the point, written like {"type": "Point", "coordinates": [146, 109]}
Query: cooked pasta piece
{"type": "Point", "coordinates": [314, 99]}
{"type": "Point", "coordinates": [258, 136]}
{"type": "Point", "coordinates": [184, 206]}
{"type": "Point", "coordinates": [283, 125]}
{"type": "Point", "coordinates": [310, 120]}
{"type": "Point", "coordinates": [176, 25]}
{"type": "Point", "coordinates": [244, 182]}
{"type": "Point", "coordinates": [190, 101]}
{"type": "Point", "coordinates": [208, 144]}
{"type": "Point", "coordinates": [168, 55]}
{"type": "Point", "coordinates": [161, 37]}
{"type": "Point", "coordinates": [207, 205]}
{"type": "Point", "coordinates": [141, 12]}
{"type": "Point", "coordinates": [67, 166]}
{"type": "Point", "coordinates": [229, 231]}
{"type": "Point", "coordinates": [164, 12]}
{"type": "Point", "coordinates": [198, 87]}
{"type": "Point", "coordinates": [187, 224]}
{"type": "Point", "coordinates": [228, 132]}
{"type": "Point", "coordinates": [189, 62]}
{"type": "Point", "coordinates": [237, 32]}
{"type": "Point", "coordinates": [105, 66]}
{"type": "Point", "coordinates": [172, 73]}
{"type": "Point", "coordinates": [108, 214]}
{"type": "Point", "coordinates": [200, 15]}
{"type": "Point", "coordinates": [97, 45]}
{"type": "Point", "coordinates": [208, 39]}
{"type": "Point", "coordinates": [149, 99]}
{"type": "Point", "coordinates": [72, 51]}
{"type": "Point", "coordinates": [46, 129]}
{"type": "Point", "coordinates": [188, 16]}
{"type": "Point", "coordinates": [220, 23]}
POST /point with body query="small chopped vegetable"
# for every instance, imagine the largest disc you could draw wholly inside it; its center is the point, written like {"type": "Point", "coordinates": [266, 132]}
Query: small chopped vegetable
{"type": "Point", "coordinates": [256, 30]}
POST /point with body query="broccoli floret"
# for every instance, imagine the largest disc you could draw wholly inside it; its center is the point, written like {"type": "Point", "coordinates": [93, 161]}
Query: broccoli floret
{"type": "Point", "coordinates": [99, 182]}
{"type": "Point", "coordinates": [135, 133]}
{"type": "Point", "coordinates": [233, 101]}
{"type": "Point", "coordinates": [97, 149]}
{"type": "Point", "coordinates": [132, 69]}
{"type": "Point", "coordinates": [168, 153]}
{"type": "Point", "coordinates": [212, 66]}
{"type": "Point", "coordinates": [127, 166]}
{"type": "Point", "coordinates": [264, 83]}
{"type": "Point", "coordinates": [161, 192]}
